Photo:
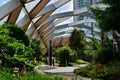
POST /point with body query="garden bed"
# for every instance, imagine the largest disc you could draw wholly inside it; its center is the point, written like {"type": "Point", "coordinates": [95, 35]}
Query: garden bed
{"type": "Point", "coordinates": [109, 71]}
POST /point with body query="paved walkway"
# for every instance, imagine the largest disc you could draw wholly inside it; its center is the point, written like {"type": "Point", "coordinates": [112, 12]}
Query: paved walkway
{"type": "Point", "coordinates": [66, 72]}
{"type": "Point", "coordinates": [61, 70]}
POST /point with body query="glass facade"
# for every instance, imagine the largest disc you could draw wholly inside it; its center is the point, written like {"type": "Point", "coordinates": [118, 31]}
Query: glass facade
{"type": "Point", "coordinates": [79, 4]}
{"type": "Point", "coordinates": [82, 3]}
{"type": "Point", "coordinates": [80, 18]}
{"type": "Point", "coordinates": [97, 0]}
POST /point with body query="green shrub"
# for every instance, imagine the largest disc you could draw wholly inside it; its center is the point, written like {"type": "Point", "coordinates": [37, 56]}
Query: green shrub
{"type": "Point", "coordinates": [13, 51]}
{"type": "Point", "coordinates": [64, 55]}
{"type": "Point", "coordinates": [107, 72]}
{"type": "Point", "coordinates": [105, 55]}
{"type": "Point", "coordinates": [81, 71]}
{"type": "Point", "coordinates": [35, 76]}
{"type": "Point", "coordinates": [6, 74]}
{"type": "Point", "coordinates": [77, 42]}
{"type": "Point", "coordinates": [80, 61]}
{"type": "Point", "coordinates": [39, 49]}
{"type": "Point", "coordinates": [18, 33]}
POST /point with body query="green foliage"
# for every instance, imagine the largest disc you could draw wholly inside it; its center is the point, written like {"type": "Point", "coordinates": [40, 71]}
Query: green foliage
{"type": "Point", "coordinates": [80, 79]}
{"type": "Point", "coordinates": [6, 74]}
{"type": "Point", "coordinates": [17, 33]}
{"type": "Point", "coordinates": [108, 18]}
{"type": "Point", "coordinates": [80, 61]}
{"type": "Point", "coordinates": [39, 49]}
{"type": "Point", "coordinates": [106, 53]}
{"type": "Point", "coordinates": [107, 72]}
{"type": "Point", "coordinates": [91, 49]}
{"type": "Point", "coordinates": [35, 76]}
{"type": "Point", "coordinates": [100, 52]}
{"type": "Point", "coordinates": [64, 54]}
{"type": "Point", "coordinates": [12, 51]}
{"type": "Point", "coordinates": [77, 42]}
{"type": "Point", "coordinates": [95, 43]}
{"type": "Point", "coordinates": [36, 46]}
{"type": "Point", "coordinates": [3, 30]}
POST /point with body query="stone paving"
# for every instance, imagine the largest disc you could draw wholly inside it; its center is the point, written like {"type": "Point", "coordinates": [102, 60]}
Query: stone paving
{"type": "Point", "coordinates": [61, 70]}
{"type": "Point", "coordinates": [65, 72]}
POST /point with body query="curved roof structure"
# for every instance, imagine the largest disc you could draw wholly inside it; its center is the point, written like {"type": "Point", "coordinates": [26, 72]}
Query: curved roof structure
{"type": "Point", "coordinates": [37, 19]}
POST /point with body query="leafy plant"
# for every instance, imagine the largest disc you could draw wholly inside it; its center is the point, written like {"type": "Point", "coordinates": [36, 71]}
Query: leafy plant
{"type": "Point", "coordinates": [35, 76]}
{"type": "Point", "coordinates": [18, 33]}
{"type": "Point", "coordinates": [108, 18]}
{"type": "Point", "coordinates": [6, 74]}
{"type": "Point", "coordinates": [64, 55]}
{"type": "Point", "coordinates": [39, 49]}
{"type": "Point", "coordinates": [107, 72]}
{"type": "Point", "coordinates": [12, 51]}
{"type": "Point", "coordinates": [77, 42]}
{"type": "Point", "coordinates": [80, 61]}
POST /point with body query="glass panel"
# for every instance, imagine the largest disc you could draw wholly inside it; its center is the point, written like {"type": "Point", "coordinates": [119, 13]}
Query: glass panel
{"type": "Point", "coordinates": [52, 1]}
{"type": "Point", "coordinates": [3, 20]}
{"type": "Point", "coordinates": [97, 0]}
{"type": "Point", "coordinates": [65, 8]}
{"type": "Point", "coordinates": [70, 20]}
{"type": "Point", "coordinates": [80, 18]}
{"type": "Point", "coordinates": [34, 20]}
{"type": "Point", "coordinates": [2, 2]}
{"type": "Point", "coordinates": [82, 3]}
{"type": "Point", "coordinates": [22, 14]}
{"type": "Point", "coordinates": [31, 5]}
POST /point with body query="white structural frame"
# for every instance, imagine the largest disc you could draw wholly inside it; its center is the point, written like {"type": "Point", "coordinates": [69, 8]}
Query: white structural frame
{"type": "Point", "coordinates": [52, 20]}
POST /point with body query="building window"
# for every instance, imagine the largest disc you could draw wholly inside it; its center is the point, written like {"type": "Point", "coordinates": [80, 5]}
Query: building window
{"type": "Point", "coordinates": [80, 18]}
{"type": "Point", "coordinates": [97, 0]}
{"type": "Point", "coordinates": [90, 2]}
{"type": "Point", "coordinates": [82, 3]}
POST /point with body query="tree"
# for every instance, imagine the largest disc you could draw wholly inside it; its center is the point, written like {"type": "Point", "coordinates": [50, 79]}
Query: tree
{"type": "Point", "coordinates": [64, 55]}
{"type": "Point", "coordinates": [91, 48]}
{"type": "Point", "coordinates": [77, 42]}
{"type": "Point", "coordinates": [108, 18]}
{"type": "Point", "coordinates": [39, 49]}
